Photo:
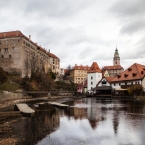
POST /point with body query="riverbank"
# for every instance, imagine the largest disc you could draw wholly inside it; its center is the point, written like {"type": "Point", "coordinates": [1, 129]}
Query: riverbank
{"type": "Point", "coordinates": [7, 103]}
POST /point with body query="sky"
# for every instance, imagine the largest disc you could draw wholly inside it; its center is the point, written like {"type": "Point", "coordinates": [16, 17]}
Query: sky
{"type": "Point", "coordinates": [81, 31]}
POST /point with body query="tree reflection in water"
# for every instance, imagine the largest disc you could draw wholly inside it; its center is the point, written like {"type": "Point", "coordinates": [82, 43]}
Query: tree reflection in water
{"type": "Point", "coordinates": [31, 130]}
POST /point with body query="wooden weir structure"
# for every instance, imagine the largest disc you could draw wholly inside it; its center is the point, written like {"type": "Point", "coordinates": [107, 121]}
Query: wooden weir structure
{"type": "Point", "coordinates": [24, 109]}
{"type": "Point", "coordinates": [55, 104]}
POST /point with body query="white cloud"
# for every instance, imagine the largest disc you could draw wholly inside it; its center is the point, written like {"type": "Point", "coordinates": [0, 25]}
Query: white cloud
{"type": "Point", "coordinates": [80, 32]}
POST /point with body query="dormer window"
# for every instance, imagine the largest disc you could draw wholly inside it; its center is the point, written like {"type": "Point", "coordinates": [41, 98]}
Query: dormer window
{"type": "Point", "coordinates": [129, 69]}
{"type": "Point", "coordinates": [134, 74]}
{"type": "Point", "coordinates": [142, 72]}
{"type": "Point", "coordinates": [119, 76]}
{"type": "Point", "coordinates": [125, 75]}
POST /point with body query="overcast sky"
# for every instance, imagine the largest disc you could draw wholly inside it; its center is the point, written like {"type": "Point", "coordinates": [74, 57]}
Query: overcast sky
{"type": "Point", "coordinates": [81, 31]}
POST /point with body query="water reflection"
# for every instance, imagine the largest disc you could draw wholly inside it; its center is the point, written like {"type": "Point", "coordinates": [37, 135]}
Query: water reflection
{"type": "Point", "coordinates": [88, 121]}
{"type": "Point", "coordinates": [31, 130]}
{"type": "Point", "coordinates": [91, 121]}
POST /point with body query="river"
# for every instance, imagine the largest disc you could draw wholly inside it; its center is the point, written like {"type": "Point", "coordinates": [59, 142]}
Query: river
{"type": "Point", "coordinates": [88, 121]}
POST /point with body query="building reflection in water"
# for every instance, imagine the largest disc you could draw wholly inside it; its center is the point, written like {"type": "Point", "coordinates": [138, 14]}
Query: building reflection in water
{"type": "Point", "coordinates": [85, 109]}
{"type": "Point", "coordinates": [93, 113]}
{"type": "Point", "coordinates": [31, 130]}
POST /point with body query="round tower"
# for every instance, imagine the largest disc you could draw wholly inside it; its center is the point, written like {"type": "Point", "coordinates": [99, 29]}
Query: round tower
{"type": "Point", "coordinates": [116, 59]}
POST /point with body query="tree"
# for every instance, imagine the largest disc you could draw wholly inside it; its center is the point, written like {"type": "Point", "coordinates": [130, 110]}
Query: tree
{"type": "Point", "coordinates": [53, 75]}
{"type": "Point", "coordinates": [69, 67]}
{"type": "Point", "coordinates": [3, 76]}
{"type": "Point", "coordinates": [135, 89]}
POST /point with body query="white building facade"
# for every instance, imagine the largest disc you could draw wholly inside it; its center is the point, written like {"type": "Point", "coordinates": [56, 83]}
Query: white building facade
{"type": "Point", "coordinates": [94, 76]}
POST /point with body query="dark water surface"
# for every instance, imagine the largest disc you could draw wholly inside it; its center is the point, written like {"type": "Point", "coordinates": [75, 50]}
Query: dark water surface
{"type": "Point", "coordinates": [87, 122]}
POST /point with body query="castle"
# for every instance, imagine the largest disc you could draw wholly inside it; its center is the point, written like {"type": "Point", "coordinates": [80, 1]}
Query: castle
{"type": "Point", "coordinates": [116, 68]}
{"type": "Point", "coordinates": [19, 54]}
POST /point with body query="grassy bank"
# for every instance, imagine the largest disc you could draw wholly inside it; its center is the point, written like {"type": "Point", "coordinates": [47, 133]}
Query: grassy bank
{"type": "Point", "coordinates": [9, 86]}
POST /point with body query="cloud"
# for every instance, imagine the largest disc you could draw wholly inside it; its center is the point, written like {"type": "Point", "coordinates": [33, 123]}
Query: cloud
{"type": "Point", "coordinates": [131, 15]}
{"type": "Point", "coordinates": [80, 32]}
{"type": "Point", "coordinates": [129, 8]}
{"type": "Point", "coordinates": [133, 26]}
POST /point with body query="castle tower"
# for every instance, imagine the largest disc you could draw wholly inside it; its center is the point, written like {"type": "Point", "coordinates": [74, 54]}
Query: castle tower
{"type": "Point", "coordinates": [116, 59]}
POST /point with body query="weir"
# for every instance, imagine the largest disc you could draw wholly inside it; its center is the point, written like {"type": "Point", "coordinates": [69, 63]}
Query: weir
{"type": "Point", "coordinates": [23, 108]}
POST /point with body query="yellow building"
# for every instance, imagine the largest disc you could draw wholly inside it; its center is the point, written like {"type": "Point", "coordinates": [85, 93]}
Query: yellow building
{"type": "Point", "coordinates": [79, 73]}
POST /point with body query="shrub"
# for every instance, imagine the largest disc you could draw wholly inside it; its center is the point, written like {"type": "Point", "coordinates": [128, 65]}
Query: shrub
{"type": "Point", "coordinates": [135, 89]}
{"type": "Point", "coordinates": [3, 76]}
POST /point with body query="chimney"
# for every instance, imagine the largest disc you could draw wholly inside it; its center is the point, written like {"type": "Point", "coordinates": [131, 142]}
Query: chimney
{"type": "Point", "coordinates": [4, 34]}
{"type": "Point", "coordinates": [49, 50]}
{"type": "Point", "coordinates": [17, 33]}
{"type": "Point", "coordinates": [29, 37]}
{"type": "Point", "coordinates": [75, 64]}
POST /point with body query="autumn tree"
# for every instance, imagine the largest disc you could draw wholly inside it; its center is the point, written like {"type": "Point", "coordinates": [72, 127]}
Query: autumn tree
{"type": "Point", "coordinates": [135, 89]}
{"type": "Point", "coordinates": [3, 76]}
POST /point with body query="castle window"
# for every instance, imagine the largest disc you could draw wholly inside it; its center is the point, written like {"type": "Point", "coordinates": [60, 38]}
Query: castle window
{"type": "Point", "coordinates": [0, 49]}
{"type": "Point", "coordinates": [6, 49]}
{"type": "Point", "coordinates": [2, 56]}
{"type": "Point", "coordinates": [91, 83]}
{"type": "Point", "coordinates": [6, 42]}
{"type": "Point", "coordinates": [114, 84]}
{"type": "Point", "coordinates": [91, 77]}
{"type": "Point", "coordinates": [10, 56]}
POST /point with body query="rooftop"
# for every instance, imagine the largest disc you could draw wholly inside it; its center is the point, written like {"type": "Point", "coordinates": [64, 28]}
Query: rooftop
{"type": "Point", "coordinates": [94, 68]}
{"type": "Point", "coordinates": [134, 72]}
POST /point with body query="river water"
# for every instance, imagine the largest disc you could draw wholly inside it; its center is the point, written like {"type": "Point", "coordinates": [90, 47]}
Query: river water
{"type": "Point", "coordinates": [88, 121]}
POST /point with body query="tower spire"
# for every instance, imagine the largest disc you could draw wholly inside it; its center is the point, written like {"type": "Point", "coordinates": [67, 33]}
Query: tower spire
{"type": "Point", "coordinates": [116, 59]}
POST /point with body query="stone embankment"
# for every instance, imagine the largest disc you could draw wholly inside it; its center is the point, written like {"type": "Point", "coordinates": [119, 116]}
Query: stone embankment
{"type": "Point", "coordinates": [10, 102]}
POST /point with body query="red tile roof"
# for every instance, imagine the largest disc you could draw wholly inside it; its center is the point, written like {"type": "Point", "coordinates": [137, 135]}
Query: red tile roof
{"type": "Point", "coordinates": [112, 67]}
{"type": "Point", "coordinates": [134, 72]}
{"type": "Point", "coordinates": [109, 79]}
{"type": "Point", "coordinates": [52, 55]}
{"type": "Point", "coordinates": [81, 67]}
{"type": "Point", "coordinates": [11, 34]}
{"type": "Point", "coordinates": [94, 68]}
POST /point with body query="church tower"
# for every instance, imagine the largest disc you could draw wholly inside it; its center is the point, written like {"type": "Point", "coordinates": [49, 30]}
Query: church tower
{"type": "Point", "coordinates": [116, 59]}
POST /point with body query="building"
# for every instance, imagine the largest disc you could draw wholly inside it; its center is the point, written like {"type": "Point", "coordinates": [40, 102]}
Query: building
{"type": "Point", "coordinates": [135, 74]}
{"type": "Point", "coordinates": [79, 73]}
{"type": "Point", "coordinates": [62, 71]}
{"type": "Point", "coordinates": [94, 76]}
{"type": "Point", "coordinates": [104, 88]}
{"type": "Point", "coordinates": [20, 55]}
{"type": "Point", "coordinates": [82, 87]}
{"type": "Point", "coordinates": [116, 68]}
{"type": "Point", "coordinates": [54, 63]}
